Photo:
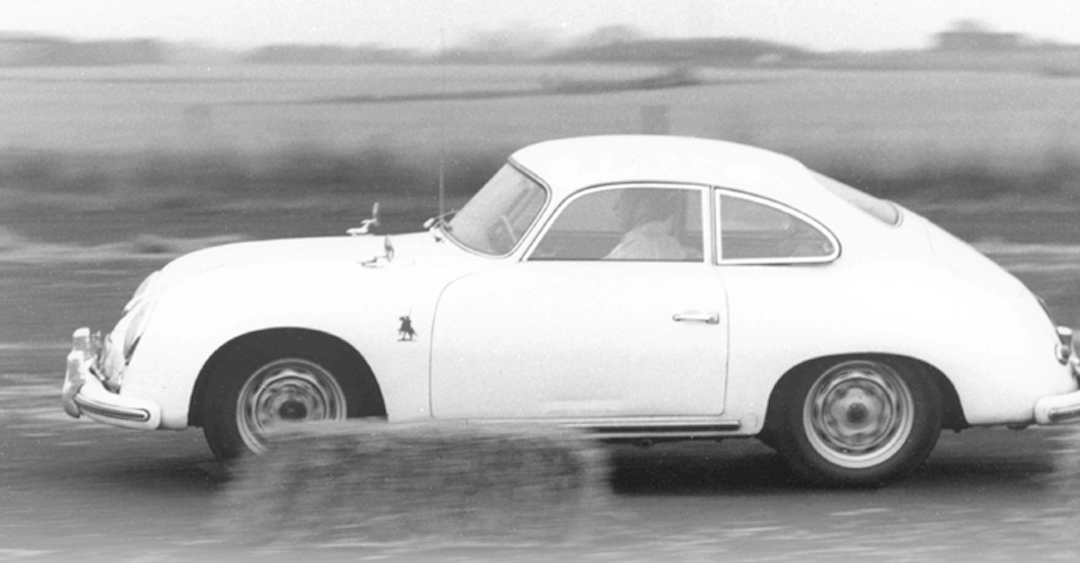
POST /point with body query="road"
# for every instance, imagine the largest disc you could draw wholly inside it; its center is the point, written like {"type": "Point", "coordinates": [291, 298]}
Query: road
{"type": "Point", "coordinates": [73, 490]}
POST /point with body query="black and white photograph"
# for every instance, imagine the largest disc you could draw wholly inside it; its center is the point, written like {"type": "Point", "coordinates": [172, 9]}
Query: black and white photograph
{"type": "Point", "coordinates": [539, 280]}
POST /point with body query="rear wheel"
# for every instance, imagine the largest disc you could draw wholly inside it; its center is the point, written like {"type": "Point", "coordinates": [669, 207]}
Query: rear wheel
{"type": "Point", "coordinates": [261, 386]}
{"type": "Point", "coordinates": [859, 422]}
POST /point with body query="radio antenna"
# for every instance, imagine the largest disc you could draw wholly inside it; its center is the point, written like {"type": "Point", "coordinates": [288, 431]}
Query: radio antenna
{"type": "Point", "coordinates": [442, 124]}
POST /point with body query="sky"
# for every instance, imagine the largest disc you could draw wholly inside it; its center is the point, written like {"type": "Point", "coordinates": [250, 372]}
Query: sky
{"type": "Point", "coordinates": [824, 25]}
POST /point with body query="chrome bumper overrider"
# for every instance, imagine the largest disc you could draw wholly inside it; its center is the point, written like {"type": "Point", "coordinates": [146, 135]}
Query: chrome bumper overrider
{"type": "Point", "coordinates": [84, 394]}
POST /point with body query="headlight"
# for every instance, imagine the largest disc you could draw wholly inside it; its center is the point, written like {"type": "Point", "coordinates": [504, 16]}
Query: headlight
{"type": "Point", "coordinates": [144, 289]}
{"type": "Point", "coordinates": [140, 317]}
{"type": "Point", "coordinates": [1065, 348]}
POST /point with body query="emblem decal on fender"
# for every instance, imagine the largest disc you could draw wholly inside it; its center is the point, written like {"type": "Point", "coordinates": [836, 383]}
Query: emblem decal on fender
{"type": "Point", "coordinates": [405, 331]}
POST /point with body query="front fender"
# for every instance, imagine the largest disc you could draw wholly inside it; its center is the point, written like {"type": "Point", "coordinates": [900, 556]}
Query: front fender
{"type": "Point", "coordinates": [361, 306]}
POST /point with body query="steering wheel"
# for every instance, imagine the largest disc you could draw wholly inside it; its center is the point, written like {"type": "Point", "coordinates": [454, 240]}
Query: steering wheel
{"type": "Point", "coordinates": [509, 227]}
{"type": "Point", "coordinates": [503, 235]}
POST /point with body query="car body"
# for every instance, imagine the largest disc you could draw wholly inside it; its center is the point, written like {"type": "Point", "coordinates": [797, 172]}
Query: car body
{"type": "Point", "coordinates": [843, 330]}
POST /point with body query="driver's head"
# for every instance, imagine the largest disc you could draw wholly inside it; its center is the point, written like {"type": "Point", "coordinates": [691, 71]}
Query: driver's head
{"type": "Point", "coordinates": [639, 206]}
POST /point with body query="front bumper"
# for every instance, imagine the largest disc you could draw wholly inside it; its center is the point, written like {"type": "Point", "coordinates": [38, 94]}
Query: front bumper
{"type": "Point", "coordinates": [84, 393]}
{"type": "Point", "coordinates": [1057, 409]}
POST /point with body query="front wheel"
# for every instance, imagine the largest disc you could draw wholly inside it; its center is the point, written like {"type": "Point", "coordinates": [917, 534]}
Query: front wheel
{"type": "Point", "coordinates": [861, 422]}
{"type": "Point", "coordinates": [260, 387]}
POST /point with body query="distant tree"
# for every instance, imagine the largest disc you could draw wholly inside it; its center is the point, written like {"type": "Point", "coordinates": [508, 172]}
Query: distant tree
{"type": "Point", "coordinates": [97, 53]}
{"type": "Point", "coordinates": [969, 26]}
{"type": "Point", "coordinates": [612, 35]}
{"type": "Point", "coordinates": [973, 35]}
{"type": "Point", "coordinates": [325, 55]}
{"type": "Point", "coordinates": [687, 52]}
{"type": "Point", "coordinates": [516, 41]}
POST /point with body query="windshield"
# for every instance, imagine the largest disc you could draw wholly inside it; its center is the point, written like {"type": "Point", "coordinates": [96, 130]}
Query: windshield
{"type": "Point", "coordinates": [499, 214]}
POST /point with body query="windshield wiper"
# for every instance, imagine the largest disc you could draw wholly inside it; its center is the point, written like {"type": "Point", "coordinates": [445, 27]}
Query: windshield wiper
{"type": "Point", "coordinates": [441, 220]}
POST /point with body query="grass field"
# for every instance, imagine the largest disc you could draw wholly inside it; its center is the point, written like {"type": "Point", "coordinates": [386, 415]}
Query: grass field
{"type": "Point", "coordinates": [105, 173]}
{"type": "Point", "coordinates": [127, 130]}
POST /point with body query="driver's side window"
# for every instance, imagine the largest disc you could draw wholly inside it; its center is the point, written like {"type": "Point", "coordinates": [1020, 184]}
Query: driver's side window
{"type": "Point", "coordinates": [626, 224]}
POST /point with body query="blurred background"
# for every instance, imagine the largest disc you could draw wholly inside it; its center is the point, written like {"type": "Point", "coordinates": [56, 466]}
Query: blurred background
{"type": "Point", "coordinates": [133, 131]}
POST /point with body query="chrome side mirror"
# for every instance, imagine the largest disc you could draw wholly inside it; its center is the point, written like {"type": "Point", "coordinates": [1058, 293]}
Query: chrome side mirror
{"type": "Point", "coordinates": [367, 226]}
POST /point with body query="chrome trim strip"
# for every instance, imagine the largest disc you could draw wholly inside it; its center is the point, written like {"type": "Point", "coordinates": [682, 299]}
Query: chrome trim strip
{"type": "Point", "coordinates": [658, 435]}
{"type": "Point", "coordinates": [708, 247]}
{"type": "Point", "coordinates": [549, 196]}
{"type": "Point", "coordinates": [632, 424]}
{"type": "Point", "coordinates": [665, 429]}
{"type": "Point", "coordinates": [721, 191]}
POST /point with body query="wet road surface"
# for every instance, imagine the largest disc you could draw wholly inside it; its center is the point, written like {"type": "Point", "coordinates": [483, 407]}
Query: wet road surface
{"type": "Point", "coordinates": [73, 490]}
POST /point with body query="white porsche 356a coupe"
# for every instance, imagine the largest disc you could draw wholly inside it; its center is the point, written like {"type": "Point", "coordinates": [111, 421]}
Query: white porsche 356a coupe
{"type": "Point", "coordinates": [643, 288]}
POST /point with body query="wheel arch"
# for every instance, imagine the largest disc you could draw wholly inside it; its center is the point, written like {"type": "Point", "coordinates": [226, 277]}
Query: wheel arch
{"type": "Point", "coordinates": [272, 337]}
{"type": "Point", "coordinates": [952, 410]}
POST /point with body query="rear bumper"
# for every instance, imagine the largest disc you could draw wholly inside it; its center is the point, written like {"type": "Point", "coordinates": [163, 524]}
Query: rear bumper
{"type": "Point", "coordinates": [84, 393]}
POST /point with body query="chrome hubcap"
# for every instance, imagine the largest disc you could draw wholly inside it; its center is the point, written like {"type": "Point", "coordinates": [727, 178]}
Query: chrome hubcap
{"type": "Point", "coordinates": [858, 414]}
{"type": "Point", "coordinates": [287, 390]}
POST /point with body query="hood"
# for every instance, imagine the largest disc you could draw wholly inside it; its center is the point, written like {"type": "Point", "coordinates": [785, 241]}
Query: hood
{"type": "Point", "coordinates": [408, 249]}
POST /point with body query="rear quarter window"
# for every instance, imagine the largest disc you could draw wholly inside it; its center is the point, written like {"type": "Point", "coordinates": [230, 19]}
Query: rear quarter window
{"type": "Point", "coordinates": [755, 232]}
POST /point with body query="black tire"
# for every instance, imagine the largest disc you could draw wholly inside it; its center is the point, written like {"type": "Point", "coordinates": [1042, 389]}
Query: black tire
{"type": "Point", "coordinates": [275, 379]}
{"type": "Point", "coordinates": [855, 423]}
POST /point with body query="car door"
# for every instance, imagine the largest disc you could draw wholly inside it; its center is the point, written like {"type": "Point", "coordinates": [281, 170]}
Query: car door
{"type": "Point", "coordinates": [597, 322]}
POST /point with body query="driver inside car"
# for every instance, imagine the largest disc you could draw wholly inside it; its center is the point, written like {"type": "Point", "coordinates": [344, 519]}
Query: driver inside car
{"type": "Point", "coordinates": [649, 218]}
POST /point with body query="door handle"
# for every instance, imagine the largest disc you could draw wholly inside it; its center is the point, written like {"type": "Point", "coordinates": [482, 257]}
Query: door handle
{"type": "Point", "coordinates": [697, 317]}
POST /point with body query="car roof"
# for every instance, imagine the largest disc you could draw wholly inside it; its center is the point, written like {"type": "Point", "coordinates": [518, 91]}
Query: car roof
{"type": "Point", "coordinates": [567, 165]}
